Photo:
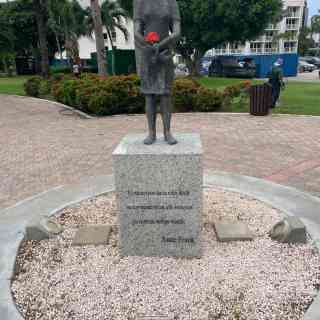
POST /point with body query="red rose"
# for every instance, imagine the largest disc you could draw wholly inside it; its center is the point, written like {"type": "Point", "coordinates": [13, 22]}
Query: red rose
{"type": "Point", "coordinates": [152, 37]}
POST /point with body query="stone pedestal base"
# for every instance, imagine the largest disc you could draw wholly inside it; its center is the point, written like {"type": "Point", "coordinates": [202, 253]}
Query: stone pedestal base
{"type": "Point", "coordinates": [159, 193]}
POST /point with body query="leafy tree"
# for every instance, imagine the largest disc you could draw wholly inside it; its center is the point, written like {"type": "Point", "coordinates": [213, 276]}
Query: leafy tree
{"type": "Point", "coordinates": [210, 23]}
{"type": "Point", "coordinates": [127, 5]}
{"type": "Point", "coordinates": [305, 41]}
{"type": "Point", "coordinates": [21, 16]}
{"type": "Point", "coordinates": [315, 23]}
{"type": "Point", "coordinates": [6, 40]}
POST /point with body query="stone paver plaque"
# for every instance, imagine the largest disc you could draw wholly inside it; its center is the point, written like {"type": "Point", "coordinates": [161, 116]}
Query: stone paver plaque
{"type": "Point", "coordinates": [92, 235]}
{"type": "Point", "coordinates": [227, 231]}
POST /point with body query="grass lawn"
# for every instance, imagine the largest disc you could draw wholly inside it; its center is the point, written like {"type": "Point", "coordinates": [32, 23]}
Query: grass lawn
{"type": "Point", "coordinates": [12, 85]}
{"type": "Point", "coordinates": [297, 98]}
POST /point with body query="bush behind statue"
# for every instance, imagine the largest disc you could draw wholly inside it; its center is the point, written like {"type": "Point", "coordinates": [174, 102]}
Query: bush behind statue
{"type": "Point", "coordinates": [121, 94]}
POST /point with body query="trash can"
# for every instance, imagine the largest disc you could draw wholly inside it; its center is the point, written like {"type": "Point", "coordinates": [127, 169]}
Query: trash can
{"type": "Point", "coordinates": [260, 99]}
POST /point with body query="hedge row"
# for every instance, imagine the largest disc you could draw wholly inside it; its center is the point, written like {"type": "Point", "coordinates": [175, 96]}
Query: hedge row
{"type": "Point", "coordinates": [121, 94]}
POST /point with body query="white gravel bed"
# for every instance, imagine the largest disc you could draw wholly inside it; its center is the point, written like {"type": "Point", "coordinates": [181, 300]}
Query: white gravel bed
{"type": "Point", "coordinates": [257, 280]}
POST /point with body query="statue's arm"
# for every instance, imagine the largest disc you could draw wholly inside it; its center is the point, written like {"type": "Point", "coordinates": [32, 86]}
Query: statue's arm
{"type": "Point", "coordinates": [138, 35]}
{"type": "Point", "coordinates": [173, 38]}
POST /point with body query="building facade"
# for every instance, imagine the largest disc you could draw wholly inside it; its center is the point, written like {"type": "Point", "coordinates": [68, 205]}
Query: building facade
{"type": "Point", "coordinates": [279, 40]}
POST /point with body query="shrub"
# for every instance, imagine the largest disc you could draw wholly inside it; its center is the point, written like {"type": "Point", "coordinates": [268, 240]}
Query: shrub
{"type": "Point", "coordinates": [185, 91]}
{"type": "Point", "coordinates": [65, 92]}
{"type": "Point", "coordinates": [113, 95]}
{"type": "Point", "coordinates": [60, 69]}
{"type": "Point", "coordinates": [235, 90]}
{"type": "Point", "coordinates": [32, 86]}
{"type": "Point", "coordinates": [121, 94]}
{"type": "Point", "coordinates": [208, 100]}
{"type": "Point", "coordinates": [45, 88]}
{"type": "Point", "coordinates": [58, 76]}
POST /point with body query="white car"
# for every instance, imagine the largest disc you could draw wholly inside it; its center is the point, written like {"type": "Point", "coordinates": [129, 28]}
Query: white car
{"type": "Point", "coordinates": [306, 67]}
{"type": "Point", "coordinates": [181, 70]}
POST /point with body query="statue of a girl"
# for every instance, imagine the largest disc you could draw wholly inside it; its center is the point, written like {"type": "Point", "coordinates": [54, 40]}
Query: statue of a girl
{"type": "Point", "coordinates": [156, 30]}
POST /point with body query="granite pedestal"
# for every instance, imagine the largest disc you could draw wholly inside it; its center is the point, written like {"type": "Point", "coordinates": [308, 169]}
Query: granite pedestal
{"type": "Point", "coordinates": [159, 194]}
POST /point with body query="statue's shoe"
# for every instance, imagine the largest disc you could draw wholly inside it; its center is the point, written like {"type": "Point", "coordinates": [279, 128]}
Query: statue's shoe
{"type": "Point", "coordinates": [149, 140]}
{"type": "Point", "coordinates": [170, 139]}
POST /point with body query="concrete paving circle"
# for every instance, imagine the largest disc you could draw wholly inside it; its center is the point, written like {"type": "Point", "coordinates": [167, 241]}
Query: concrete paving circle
{"type": "Point", "coordinates": [14, 220]}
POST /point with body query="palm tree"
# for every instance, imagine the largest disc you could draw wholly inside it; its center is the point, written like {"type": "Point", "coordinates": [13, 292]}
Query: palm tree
{"type": "Point", "coordinates": [315, 23]}
{"type": "Point", "coordinates": [98, 32]}
{"type": "Point", "coordinates": [40, 9]}
{"type": "Point", "coordinates": [67, 20]}
{"type": "Point", "coordinates": [114, 18]}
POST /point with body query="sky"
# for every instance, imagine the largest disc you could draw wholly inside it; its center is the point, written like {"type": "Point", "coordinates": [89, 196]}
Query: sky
{"type": "Point", "coordinates": [314, 6]}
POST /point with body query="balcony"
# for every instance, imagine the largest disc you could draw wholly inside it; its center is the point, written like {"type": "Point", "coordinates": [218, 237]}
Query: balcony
{"type": "Point", "coordinates": [292, 24]}
{"type": "Point", "coordinates": [293, 12]}
{"type": "Point", "coordinates": [292, 27]}
{"type": "Point", "coordinates": [290, 47]}
{"type": "Point", "coordinates": [272, 27]}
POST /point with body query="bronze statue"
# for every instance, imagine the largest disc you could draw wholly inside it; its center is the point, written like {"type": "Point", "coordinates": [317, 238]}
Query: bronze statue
{"type": "Point", "coordinates": [156, 30]}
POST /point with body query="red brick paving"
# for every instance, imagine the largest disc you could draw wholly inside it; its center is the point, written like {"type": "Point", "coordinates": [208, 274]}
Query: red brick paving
{"type": "Point", "coordinates": [42, 147]}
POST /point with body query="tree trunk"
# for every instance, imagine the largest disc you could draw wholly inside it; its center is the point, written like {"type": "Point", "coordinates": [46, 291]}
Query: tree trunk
{"type": "Point", "coordinates": [98, 32]}
{"type": "Point", "coordinates": [194, 64]}
{"type": "Point", "coordinates": [40, 10]}
{"type": "Point", "coordinates": [113, 59]}
{"type": "Point", "coordinates": [59, 47]}
{"type": "Point", "coordinates": [5, 65]}
{"type": "Point", "coordinates": [113, 56]}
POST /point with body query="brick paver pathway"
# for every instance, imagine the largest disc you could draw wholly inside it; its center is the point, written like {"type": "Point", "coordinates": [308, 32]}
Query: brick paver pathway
{"type": "Point", "coordinates": [43, 146]}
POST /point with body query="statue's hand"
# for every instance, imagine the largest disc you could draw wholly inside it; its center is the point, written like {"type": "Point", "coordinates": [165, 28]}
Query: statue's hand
{"type": "Point", "coordinates": [165, 56]}
{"type": "Point", "coordinates": [148, 49]}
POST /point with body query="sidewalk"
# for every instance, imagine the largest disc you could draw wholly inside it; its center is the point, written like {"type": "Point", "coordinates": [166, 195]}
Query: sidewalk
{"type": "Point", "coordinates": [43, 147]}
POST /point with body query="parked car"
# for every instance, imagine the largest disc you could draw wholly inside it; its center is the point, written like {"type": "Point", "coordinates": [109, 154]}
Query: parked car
{"type": "Point", "coordinates": [232, 67]}
{"type": "Point", "coordinates": [312, 60]}
{"type": "Point", "coordinates": [306, 67]}
{"type": "Point", "coordinates": [181, 70]}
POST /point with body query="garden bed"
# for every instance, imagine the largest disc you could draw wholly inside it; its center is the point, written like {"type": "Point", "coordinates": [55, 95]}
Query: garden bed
{"type": "Point", "coordinates": [257, 280]}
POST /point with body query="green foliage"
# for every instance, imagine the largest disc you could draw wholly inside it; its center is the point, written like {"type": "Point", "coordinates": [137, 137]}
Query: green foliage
{"type": "Point", "coordinates": [127, 5]}
{"type": "Point", "coordinates": [45, 88]}
{"type": "Point", "coordinates": [65, 92]}
{"type": "Point", "coordinates": [208, 100]}
{"type": "Point", "coordinates": [58, 70]}
{"type": "Point", "coordinates": [315, 23]}
{"type": "Point", "coordinates": [184, 94]}
{"type": "Point", "coordinates": [6, 33]}
{"type": "Point", "coordinates": [305, 41]}
{"type": "Point", "coordinates": [121, 95]}
{"type": "Point", "coordinates": [114, 95]}
{"type": "Point", "coordinates": [210, 23]}
{"type": "Point", "coordinates": [67, 20]}
{"type": "Point", "coordinates": [32, 86]}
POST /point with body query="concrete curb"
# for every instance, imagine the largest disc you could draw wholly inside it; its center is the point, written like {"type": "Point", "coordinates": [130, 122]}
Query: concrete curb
{"type": "Point", "coordinates": [58, 104]}
{"type": "Point", "coordinates": [13, 220]}
{"type": "Point", "coordinates": [87, 116]}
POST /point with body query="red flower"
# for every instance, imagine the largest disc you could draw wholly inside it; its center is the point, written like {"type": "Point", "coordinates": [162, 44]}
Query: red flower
{"type": "Point", "coordinates": [152, 37]}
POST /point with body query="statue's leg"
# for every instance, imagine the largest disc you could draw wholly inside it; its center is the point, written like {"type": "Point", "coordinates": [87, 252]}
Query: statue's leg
{"type": "Point", "coordinates": [166, 109]}
{"type": "Point", "coordinates": [151, 112]}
